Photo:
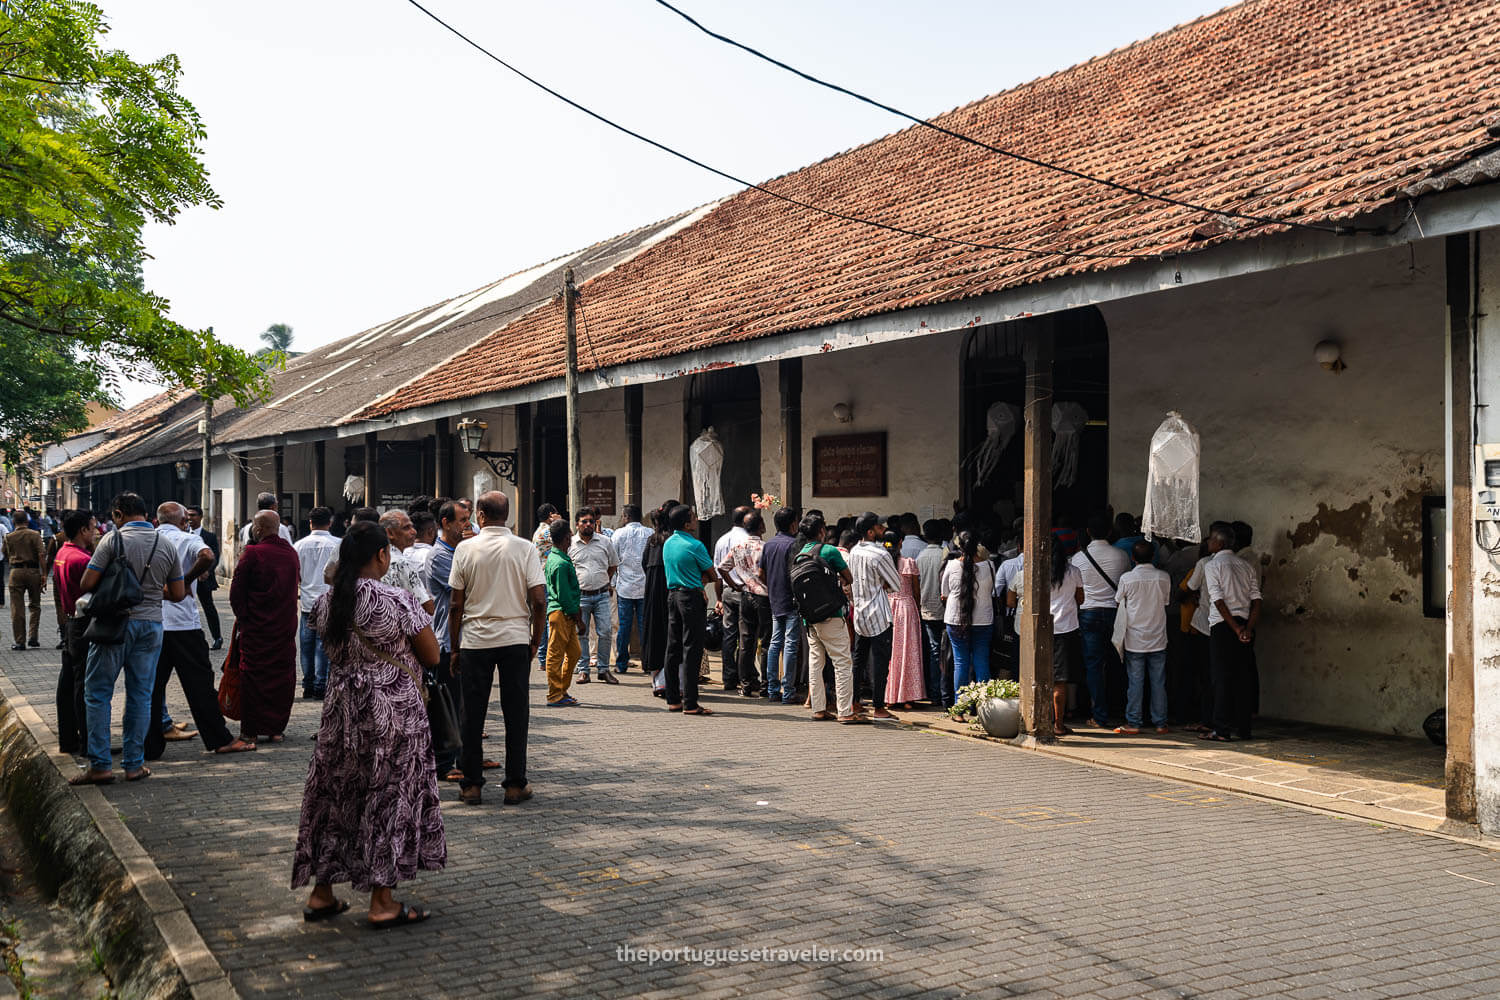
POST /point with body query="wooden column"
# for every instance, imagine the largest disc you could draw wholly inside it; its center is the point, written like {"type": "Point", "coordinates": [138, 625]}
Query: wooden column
{"type": "Point", "coordinates": [634, 409]}
{"type": "Point", "coordinates": [371, 443]}
{"type": "Point", "coordinates": [790, 377]}
{"type": "Point", "coordinates": [442, 435]}
{"type": "Point", "coordinates": [1036, 622]}
{"type": "Point", "coordinates": [241, 488]}
{"type": "Point", "coordinates": [1460, 804]}
{"type": "Point", "coordinates": [523, 517]}
{"type": "Point", "coordinates": [320, 474]}
{"type": "Point", "coordinates": [279, 457]}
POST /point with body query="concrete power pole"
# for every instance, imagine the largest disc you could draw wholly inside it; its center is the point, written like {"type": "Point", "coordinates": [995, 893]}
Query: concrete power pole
{"type": "Point", "coordinates": [575, 474]}
{"type": "Point", "coordinates": [207, 430]}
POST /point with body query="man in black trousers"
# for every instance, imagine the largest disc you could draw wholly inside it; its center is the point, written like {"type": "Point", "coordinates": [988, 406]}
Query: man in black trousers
{"type": "Point", "coordinates": [209, 581]}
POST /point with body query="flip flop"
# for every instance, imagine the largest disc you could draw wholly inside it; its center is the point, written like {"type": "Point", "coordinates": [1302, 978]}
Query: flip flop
{"type": "Point", "coordinates": [1213, 737]}
{"type": "Point", "coordinates": [237, 745]}
{"type": "Point", "coordinates": [141, 775]}
{"type": "Point", "coordinates": [89, 778]}
{"type": "Point", "coordinates": [674, 708]}
{"type": "Point", "coordinates": [700, 710]}
{"type": "Point", "coordinates": [404, 915]}
{"type": "Point", "coordinates": [312, 914]}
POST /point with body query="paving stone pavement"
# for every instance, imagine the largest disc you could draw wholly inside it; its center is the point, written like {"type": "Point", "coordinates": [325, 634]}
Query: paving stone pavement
{"type": "Point", "coordinates": [973, 869]}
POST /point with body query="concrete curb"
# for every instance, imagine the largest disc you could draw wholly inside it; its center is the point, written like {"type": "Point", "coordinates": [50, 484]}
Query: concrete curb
{"type": "Point", "coordinates": [1290, 797]}
{"type": "Point", "coordinates": [149, 945]}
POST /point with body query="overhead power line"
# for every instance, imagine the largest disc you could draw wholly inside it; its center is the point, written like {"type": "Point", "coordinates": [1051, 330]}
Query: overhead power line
{"type": "Point", "coordinates": [833, 213]}
{"type": "Point", "coordinates": [998, 150]}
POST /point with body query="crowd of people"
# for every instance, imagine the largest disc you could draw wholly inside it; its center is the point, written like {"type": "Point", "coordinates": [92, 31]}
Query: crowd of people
{"type": "Point", "coordinates": [401, 616]}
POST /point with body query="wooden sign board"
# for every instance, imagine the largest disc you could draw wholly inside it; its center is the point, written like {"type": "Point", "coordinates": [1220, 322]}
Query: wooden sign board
{"type": "Point", "coordinates": [849, 465]}
{"type": "Point", "coordinates": [599, 491]}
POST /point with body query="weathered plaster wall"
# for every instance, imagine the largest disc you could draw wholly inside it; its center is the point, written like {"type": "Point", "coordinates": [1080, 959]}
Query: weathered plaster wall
{"type": "Point", "coordinates": [1330, 469]}
{"type": "Point", "coordinates": [909, 389]}
{"type": "Point", "coordinates": [1485, 595]}
{"type": "Point", "coordinates": [661, 442]}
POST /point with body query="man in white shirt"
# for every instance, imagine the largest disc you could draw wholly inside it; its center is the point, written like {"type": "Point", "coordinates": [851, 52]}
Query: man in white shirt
{"type": "Point", "coordinates": [314, 553]}
{"type": "Point", "coordinates": [874, 581]}
{"type": "Point", "coordinates": [496, 609]}
{"type": "Point", "coordinates": [595, 559]}
{"type": "Point", "coordinates": [630, 541]}
{"type": "Point", "coordinates": [1143, 596]}
{"type": "Point", "coordinates": [184, 648]}
{"type": "Point", "coordinates": [267, 501]}
{"type": "Point", "coordinates": [930, 590]}
{"type": "Point", "coordinates": [1101, 565]}
{"type": "Point", "coordinates": [424, 525]}
{"type": "Point", "coordinates": [729, 649]}
{"type": "Point", "coordinates": [1233, 594]}
{"type": "Point", "coordinates": [405, 572]}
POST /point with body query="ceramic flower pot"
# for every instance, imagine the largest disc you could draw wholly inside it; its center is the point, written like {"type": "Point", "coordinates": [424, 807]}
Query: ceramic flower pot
{"type": "Point", "coordinates": [1001, 717]}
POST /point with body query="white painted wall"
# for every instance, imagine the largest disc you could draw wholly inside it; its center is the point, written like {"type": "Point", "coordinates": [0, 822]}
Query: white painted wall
{"type": "Point", "coordinates": [661, 442]}
{"type": "Point", "coordinates": [1486, 607]}
{"type": "Point", "coordinates": [1329, 469]}
{"type": "Point", "coordinates": [910, 390]}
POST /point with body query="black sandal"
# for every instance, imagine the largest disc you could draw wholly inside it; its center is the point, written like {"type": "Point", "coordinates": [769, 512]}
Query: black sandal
{"type": "Point", "coordinates": [404, 915]}
{"type": "Point", "coordinates": [312, 914]}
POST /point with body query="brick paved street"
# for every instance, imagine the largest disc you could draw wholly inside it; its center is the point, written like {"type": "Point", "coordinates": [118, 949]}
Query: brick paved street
{"type": "Point", "coordinates": [977, 869]}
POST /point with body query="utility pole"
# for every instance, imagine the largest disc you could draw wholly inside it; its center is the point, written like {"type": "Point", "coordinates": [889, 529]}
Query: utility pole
{"type": "Point", "coordinates": [207, 430]}
{"type": "Point", "coordinates": [575, 473]}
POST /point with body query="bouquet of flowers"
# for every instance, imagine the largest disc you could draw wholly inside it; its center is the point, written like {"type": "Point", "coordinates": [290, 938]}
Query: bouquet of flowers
{"type": "Point", "coordinates": [765, 501]}
{"type": "Point", "coordinates": [967, 698]}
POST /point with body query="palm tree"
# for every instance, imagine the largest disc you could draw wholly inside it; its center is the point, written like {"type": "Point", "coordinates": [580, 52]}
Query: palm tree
{"type": "Point", "coordinates": [278, 337]}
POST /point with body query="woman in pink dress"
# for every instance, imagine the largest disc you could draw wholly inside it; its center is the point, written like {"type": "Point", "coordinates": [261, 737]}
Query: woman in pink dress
{"type": "Point", "coordinates": [904, 684]}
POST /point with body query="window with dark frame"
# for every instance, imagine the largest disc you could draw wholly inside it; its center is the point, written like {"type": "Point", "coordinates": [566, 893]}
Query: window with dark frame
{"type": "Point", "coordinates": [1434, 556]}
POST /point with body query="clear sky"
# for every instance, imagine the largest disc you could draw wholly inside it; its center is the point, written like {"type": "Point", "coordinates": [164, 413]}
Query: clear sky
{"type": "Point", "coordinates": [371, 164]}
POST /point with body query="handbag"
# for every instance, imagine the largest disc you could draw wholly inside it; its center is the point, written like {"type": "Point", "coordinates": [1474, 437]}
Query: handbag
{"type": "Point", "coordinates": [442, 714]}
{"type": "Point", "coordinates": [229, 684]}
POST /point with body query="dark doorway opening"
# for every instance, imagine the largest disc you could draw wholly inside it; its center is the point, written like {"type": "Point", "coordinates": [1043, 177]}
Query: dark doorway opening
{"type": "Point", "coordinates": [994, 372]}
{"type": "Point", "coordinates": [728, 401]}
{"type": "Point", "coordinates": [549, 429]}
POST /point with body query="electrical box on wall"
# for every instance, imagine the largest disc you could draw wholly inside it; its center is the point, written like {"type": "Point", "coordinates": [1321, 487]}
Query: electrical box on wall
{"type": "Point", "coordinates": [1487, 482]}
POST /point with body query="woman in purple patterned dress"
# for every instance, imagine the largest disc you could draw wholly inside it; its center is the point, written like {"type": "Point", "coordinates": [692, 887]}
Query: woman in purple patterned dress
{"type": "Point", "coordinates": [370, 813]}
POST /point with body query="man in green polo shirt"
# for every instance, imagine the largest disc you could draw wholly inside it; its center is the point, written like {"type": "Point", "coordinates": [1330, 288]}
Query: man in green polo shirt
{"type": "Point", "coordinates": [563, 620]}
{"type": "Point", "coordinates": [689, 569]}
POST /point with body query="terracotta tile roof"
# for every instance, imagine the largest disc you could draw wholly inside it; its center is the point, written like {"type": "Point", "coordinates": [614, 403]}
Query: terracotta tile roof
{"type": "Point", "coordinates": [1314, 110]}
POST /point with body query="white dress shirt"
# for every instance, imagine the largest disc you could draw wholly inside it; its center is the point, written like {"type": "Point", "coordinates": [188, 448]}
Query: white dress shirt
{"type": "Point", "coordinates": [1097, 591]}
{"type": "Point", "coordinates": [1195, 582]}
{"type": "Point", "coordinates": [314, 553]}
{"type": "Point", "coordinates": [1007, 572]}
{"type": "Point", "coordinates": [593, 559]}
{"type": "Point", "coordinates": [1144, 593]}
{"type": "Point", "coordinates": [1064, 601]}
{"type": "Point", "coordinates": [1230, 579]}
{"type": "Point", "coordinates": [181, 616]}
{"type": "Point", "coordinates": [725, 545]}
{"type": "Point", "coordinates": [630, 546]}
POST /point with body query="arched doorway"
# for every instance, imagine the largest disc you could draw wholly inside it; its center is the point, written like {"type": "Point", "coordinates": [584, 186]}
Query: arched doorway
{"type": "Point", "coordinates": [993, 372]}
{"type": "Point", "coordinates": [728, 400]}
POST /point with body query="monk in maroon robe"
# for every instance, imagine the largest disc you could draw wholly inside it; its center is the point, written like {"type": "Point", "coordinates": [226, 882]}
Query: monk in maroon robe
{"type": "Point", "coordinates": [263, 595]}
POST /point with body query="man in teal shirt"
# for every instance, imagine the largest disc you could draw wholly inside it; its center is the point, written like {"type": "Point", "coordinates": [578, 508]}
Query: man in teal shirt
{"type": "Point", "coordinates": [563, 648]}
{"type": "Point", "coordinates": [688, 568]}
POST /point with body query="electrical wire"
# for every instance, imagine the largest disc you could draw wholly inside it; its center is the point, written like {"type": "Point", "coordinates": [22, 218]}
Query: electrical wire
{"type": "Point", "coordinates": [998, 150]}
{"type": "Point", "coordinates": [901, 230]}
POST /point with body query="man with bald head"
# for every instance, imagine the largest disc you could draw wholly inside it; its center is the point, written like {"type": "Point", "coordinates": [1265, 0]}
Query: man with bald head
{"type": "Point", "coordinates": [497, 606]}
{"type": "Point", "coordinates": [263, 594]}
{"type": "Point", "coordinates": [184, 648]}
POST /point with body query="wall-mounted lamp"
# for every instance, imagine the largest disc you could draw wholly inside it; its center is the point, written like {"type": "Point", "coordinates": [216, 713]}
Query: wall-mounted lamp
{"type": "Point", "coordinates": [471, 438]}
{"type": "Point", "coordinates": [843, 413]}
{"type": "Point", "coordinates": [183, 469]}
{"type": "Point", "coordinates": [1329, 356]}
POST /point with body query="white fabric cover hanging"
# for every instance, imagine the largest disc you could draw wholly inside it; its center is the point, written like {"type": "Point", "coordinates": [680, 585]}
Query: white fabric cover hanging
{"type": "Point", "coordinates": [706, 457]}
{"type": "Point", "coordinates": [354, 489]}
{"type": "Point", "coordinates": [1171, 508]}
{"type": "Point", "coordinates": [483, 481]}
{"type": "Point", "coordinates": [1068, 421]}
{"type": "Point", "coordinates": [1000, 424]}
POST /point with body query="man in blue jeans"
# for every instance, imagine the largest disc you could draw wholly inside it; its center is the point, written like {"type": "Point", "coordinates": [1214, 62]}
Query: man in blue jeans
{"type": "Point", "coordinates": [158, 570]}
{"type": "Point", "coordinates": [786, 625]}
{"type": "Point", "coordinates": [314, 552]}
{"type": "Point", "coordinates": [630, 583]}
{"type": "Point", "coordinates": [594, 557]}
{"type": "Point", "coordinates": [1143, 596]}
{"type": "Point", "coordinates": [1101, 566]}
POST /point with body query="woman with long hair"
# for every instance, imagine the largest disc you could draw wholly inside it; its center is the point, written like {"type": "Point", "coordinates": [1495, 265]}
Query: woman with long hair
{"type": "Point", "coordinates": [370, 813]}
{"type": "Point", "coordinates": [967, 590]}
{"type": "Point", "coordinates": [654, 630]}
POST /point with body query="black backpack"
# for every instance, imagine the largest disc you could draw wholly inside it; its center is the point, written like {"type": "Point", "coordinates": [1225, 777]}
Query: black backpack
{"type": "Point", "coordinates": [816, 588]}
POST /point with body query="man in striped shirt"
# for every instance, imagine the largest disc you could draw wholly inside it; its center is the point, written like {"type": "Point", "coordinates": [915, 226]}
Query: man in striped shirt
{"type": "Point", "coordinates": [875, 580]}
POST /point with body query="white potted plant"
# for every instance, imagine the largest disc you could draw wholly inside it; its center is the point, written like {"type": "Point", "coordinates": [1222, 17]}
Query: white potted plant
{"type": "Point", "coordinates": [996, 702]}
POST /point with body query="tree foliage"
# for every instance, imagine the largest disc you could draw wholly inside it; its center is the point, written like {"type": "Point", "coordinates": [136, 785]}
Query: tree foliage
{"type": "Point", "coordinates": [277, 337]}
{"type": "Point", "coordinates": [92, 147]}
